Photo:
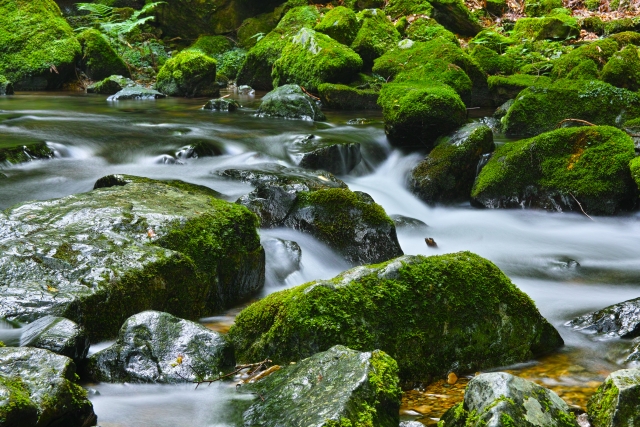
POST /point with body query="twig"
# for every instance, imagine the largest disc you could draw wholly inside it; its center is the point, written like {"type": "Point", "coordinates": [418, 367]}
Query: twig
{"type": "Point", "coordinates": [574, 198]}
{"type": "Point", "coordinates": [305, 91]}
{"type": "Point", "coordinates": [574, 120]}
{"type": "Point", "coordinates": [251, 365]}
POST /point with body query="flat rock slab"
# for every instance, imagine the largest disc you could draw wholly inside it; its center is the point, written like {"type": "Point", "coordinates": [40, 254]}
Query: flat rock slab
{"type": "Point", "coordinates": [131, 245]}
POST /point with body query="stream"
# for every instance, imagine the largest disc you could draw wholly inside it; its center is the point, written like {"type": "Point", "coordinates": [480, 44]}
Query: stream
{"type": "Point", "coordinates": [568, 264]}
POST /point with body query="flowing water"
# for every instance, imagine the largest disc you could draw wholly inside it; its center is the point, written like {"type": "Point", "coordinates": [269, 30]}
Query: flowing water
{"type": "Point", "coordinates": [568, 263]}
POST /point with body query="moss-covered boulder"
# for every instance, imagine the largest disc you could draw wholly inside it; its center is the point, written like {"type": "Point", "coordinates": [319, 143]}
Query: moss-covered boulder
{"type": "Point", "coordinates": [132, 244]}
{"type": "Point", "coordinates": [575, 169]}
{"type": "Point", "coordinates": [446, 175]}
{"type": "Point", "coordinates": [634, 165]}
{"type": "Point", "coordinates": [156, 347]}
{"type": "Point", "coordinates": [290, 102]}
{"type": "Point", "coordinates": [492, 40]}
{"type": "Point", "coordinates": [415, 115]}
{"type": "Point", "coordinates": [56, 334]}
{"type": "Point", "coordinates": [6, 87]}
{"type": "Point", "coordinates": [375, 36]}
{"type": "Point", "coordinates": [595, 54]}
{"type": "Point", "coordinates": [39, 388]}
{"type": "Point", "coordinates": [313, 58]}
{"type": "Point", "coordinates": [253, 28]}
{"type": "Point", "coordinates": [615, 403]}
{"type": "Point", "coordinates": [503, 400]}
{"type": "Point", "coordinates": [99, 60]}
{"type": "Point", "coordinates": [221, 104]}
{"type": "Point", "coordinates": [492, 62]}
{"type": "Point", "coordinates": [399, 8]}
{"type": "Point", "coordinates": [191, 73]}
{"type": "Point", "coordinates": [317, 203]}
{"type": "Point", "coordinates": [38, 49]}
{"type": "Point", "coordinates": [554, 27]}
{"type": "Point", "coordinates": [626, 38]}
{"type": "Point", "coordinates": [338, 387]}
{"type": "Point", "coordinates": [136, 93]}
{"type": "Point", "coordinates": [433, 315]}
{"type": "Point", "coordinates": [455, 16]}
{"type": "Point", "coordinates": [424, 29]}
{"type": "Point", "coordinates": [258, 64]}
{"type": "Point", "coordinates": [333, 155]}
{"type": "Point", "coordinates": [19, 151]}
{"type": "Point", "coordinates": [342, 97]}
{"type": "Point", "coordinates": [504, 88]}
{"type": "Point", "coordinates": [111, 85]}
{"type": "Point", "coordinates": [623, 69]}
{"type": "Point", "coordinates": [212, 45]}
{"type": "Point", "coordinates": [537, 8]}
{"type": "Point", "coordinates": [341, 24]}
{"type": "Point", "coordinates": [540, 109]}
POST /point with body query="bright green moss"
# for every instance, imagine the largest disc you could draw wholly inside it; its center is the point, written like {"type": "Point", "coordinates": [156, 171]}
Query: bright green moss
{"type": "Point", "coordinates": [634, 165]}
{"type": "Point", "coordinates": [212, 45]}
{"type": "Point", "coordinates": [417, 114]}
{"type": "Point", "coordinates": [17, 151]}
{"type": "Point", "coordinates": [299, 17]}
{"type": "Point", "coordinates": [589, 163]}
{"type": "Point", "coordinates": [540, 7]}
{"type": "Point", "coordinates": [556, 27]}
{"type": "Point", "coordinates": [312, 58]}
{"type": "Point", "coordinates": [512, 85]}
{"type": "Point", "coordinates": [540, 109]}
{"type": "Point", "coordinates": [623, 69]}
{"type": "Point", "coordinates": [602, 404]}
{"type": "Point", "coordinates": [593, 24]}
{"type": "Point", "coordinates": [585, 70]}
{"type": "Point", "coordinates": [626, 38]}
{"type": "Point", "coordinates": [491, 62]}
{"type": "Point", "coordinates": [17, 407]}
{"type": "Point", "coordinates": [252, 28]}
{"type": "Point", "coordinates": [598, 52]}
{"type": "Point", "coordinates": [190, 73]}
{"type": "Point", "coordinates": [398, 8]}
{"type": "Point", "coordinates": [99, 58]}
{"type": "Point", "coordinates": [340, 24]}
{"type": "Point", "coordinates": [376, 36]}
{"type": "Point", "coordinates": [427, 313]}
{"type": "Point", "coordinates": [621, 25]}
{"type": "Point", "coordinates": [342, 97]}
{"type": "Point", "coordinates": [34, 40]}
{"type": "Point", "coordinates": [492, 40]}
{"type": "Point", "coordinates": [425, 29]}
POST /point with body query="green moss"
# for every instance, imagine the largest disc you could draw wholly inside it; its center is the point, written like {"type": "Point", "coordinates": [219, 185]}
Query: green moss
{"type": "Point", "coordinates": [621, 25]}
{"type": "Point", "coordinates": [99, 58]}
{"type": "Point", "coordinates": [491, 62]}
{"type": "Point", "coordinates": [556, 27]}
{"type": "Point", "coordinates": [539, 109]}
{"type": "Point", "coordinates": [341, 24]}
{"type": "Point", "coordinates": [342, 97]}
{"type": "Point", "coordinates": [212, 45]}
{"type": "Point", "coordinates": [299, 17]}
{"type": "Point", "coordinates": [603, 403]}
{"type": "Point", "coordinates": [230, 62]}
{"type": "Point", "coordinates": [634, 165]}
{"type": "Point", "coordinates": [312, 58]}
{"type": "Point", "coordinates": [17, 407]}
{"type": "Point", "coordinates": [492, 40]}
{"type": "Point", "coordinates": [375, 36]}
{"type": "Point", "coordinates": [66, 253]}
{"type": "Point", "coordinates": [252, 28]}
{"type": "Point", "coordinates": [598, 52]}
{"type": "Point", "coordinates": [425, 29]}
{"type": "Point", "coordinates": [588, 163]}
{"type": "Point", "coordinates": [426, 316]}
{"type": "Point", "coordinates": [585, 70]}
{"type": "Point", "coordinates": [190, 73]}
{"type": "Point", "coordinates": [34, 39]}
{"type": "Point", "coordinates": [540, 7]}
{"type": "Point", "coordinates": [623, 69]}
{"type": "Point", "coordinates": [416, 114]}
{"type": "Point", "coordinates": [456, 17]}
{"type": "Point", "coordinates": [626, 38]}
{"type": "Point", "coordinates": [399, 8]}
{"type": "Point", "coordinates": [17, 151]}
{"type": "Point", "coordinates": [593, 24]}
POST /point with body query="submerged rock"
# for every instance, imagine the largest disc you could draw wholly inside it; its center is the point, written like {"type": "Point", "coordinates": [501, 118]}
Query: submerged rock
{"type": "Point", "coordinates": [132, 244]}
{"type": "Point", "coordinates": [336, 387]}
{"type": "Point", "coordinates": [616, 402]}
{"type": "Point", "coordinates": [446, 175]}
{"type": "Point", "coordinates": [14, 153]}
{"type": "Point", "coordinates": [619, 320]}
{"type": "Point", "coordinates": [111, 85]}
{"type": "Point", "coordinates": [290, 102]}
{"type": "Point", "coordinates": [334, 156]}
{"type": "Point", "coordinates": [283, 257]}
{"type": "Point", "coordinates": [38, 388]}
{"type": "Point", "coordinates": [221, 104]}
{"type": "Point", "coordinates": [57, 334]}
{"type": "Point", "coordinates": [156, 347]}
{"type": "Point", "coordinates": [136, 92]}
{"type": "Point", "coordinates": [583, 169]}
{"type": "Point", "coordinates": [408, 224]}
{"type": "Point", "coordinates": [504, 400]}
{"type": "Point", "coordinates": [434, 315]}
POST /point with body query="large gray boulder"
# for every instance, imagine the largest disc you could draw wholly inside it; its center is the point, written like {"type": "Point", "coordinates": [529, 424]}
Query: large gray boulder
{"type": "Point", "coordinates": [290, 102]}
{"type": "Point", "coordinates": [38, 388]}
{"type": "Point", "coordinates": [336, 387]}
{"type": "Point", "coordinates": [616, 403]}
{"type": "Point", "coordinates": [317, 203]}
{"type": "Point", "coordinates": [504, 400]}
{"type": "Point", "coordinates": [57, 334]}
{"type": "Point", "coordinates": [617, 321]}
{"type": "Point", "coordinates": [156, 347]}
{"type": "Point", "coordinates": [131, 245]}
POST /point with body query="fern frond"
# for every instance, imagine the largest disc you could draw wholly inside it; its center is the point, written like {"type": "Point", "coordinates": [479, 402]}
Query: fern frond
{"type": "Point", "coordinates": [98, 11]}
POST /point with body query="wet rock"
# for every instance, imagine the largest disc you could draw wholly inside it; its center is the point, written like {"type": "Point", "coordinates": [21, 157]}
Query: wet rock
{"type": "Point", "coordinates": [111, 85]}
{"type": "Point", "coordinates": [430, 242]}
{"type": "Point", "coordinates": [136, 92]}
{"type": "Point", "coordinates": [619, 320]}
{"type": "Point", "coordinates": [14, 154]}
{"type": "Point", "coordinates": [245, 90]}
{"type": "Point", "coordinates": [99, 60]}
{"type": "Point", "coordinates": [199, 149]}
{"type": "Point", "coordinates": [335, 387]}
{"type": "Point", "coordinates": [6, 87]}
{"type": "Point", "coordinates": [503, 400]}
{"type": "Point", "coordinates": [434, 315]}
{"type": "Point", "coordinates": [319, 204]}
{"type": "Point", "coordinates": [221, 104]}
{"type": "Point", "coordinates": [342, 97]}
{"type": "Point", "coordinates": [283, 257]}
{"type": "Point", "coordinates": [405, 223]}
{"type": "Point", "coordinates": [334, 156]}
{"type": "Point", "coordinates": [38, 388]}
{"type": "Point", "coordinates": [583, 169]}
{"type": "Point", "coordinates": [290, 102]}
{"type": "Point", "coordinates": [57, 334]}
{"type": "Point", "coordinates": [132, 244]}
{"type": "Point", "coordinates": [501, 111]}
{"type": "Point", "coordinates": [156, 347]}
{"type": "Point", "coordinates": [455, 16]}
{"type": "Point", "coordinates": [447, 174]}
{"type": "Point", "coordinates": [615, 403]}
{"type": "Point", "coordinates": [191, 73]}
{"type": "Point", "coordinates": [555, 26]}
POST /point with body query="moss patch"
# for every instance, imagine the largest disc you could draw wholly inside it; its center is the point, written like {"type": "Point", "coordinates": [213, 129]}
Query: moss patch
{"type": "Point", "coordinates": [623, 69]}
{"type": "Point", "coordinates": [376, 35]}
{"type": "Point", "coordinates": [398, 8]}
{"type": "Point", "coordinates": [190, 73]}
{"type": "Point", "coordinates": [342, 97]}
{"type": "Point", "coordinates": [341, 24]}
{"type": "Point", "coordinates": [99, 58]}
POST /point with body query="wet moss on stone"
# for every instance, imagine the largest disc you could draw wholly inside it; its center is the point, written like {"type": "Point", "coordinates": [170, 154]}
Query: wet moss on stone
{"type": "Point", "coordinates": [425, 29]}
{"type": "Point", "coordinates": [375, 36]}
{"type": "Point", "coordinates": [626, 38]}
{"type": "Point", "coordinates": [341, 24]}
{"type": "Point", "coordinates": [491, 62]}
{"type": "Point", "coordinates": [191, 73]}
{"type": "Point", "coordinates": [399, 8]}
{"type": "Point", "coordinates": [597, 52]}
{"type": "Point", "coordinates": [432, 315]}
{"type": "Point", "coordinates": [98, 57]}
{"type": "Point", "coordinates": [212, 45]}
{"type": "Point", "coordinates": [552, 170]}
{"type": "Point", "coordinates": [18, 152]}
{"type": "Point", "coordinates": [623, 69]}
{"type": "Point", "coordinates": [634, 165]}
{"type": "Point", "coordinates": [554, 27]}
{"type": "Point", "coordinates": [537, 8]}
{"type": "Point", "coordinates": [252, 28]}
{"type": "Point", "coordinates": [492, 40]}
{"type": "Point", "coordinates": [616, 400]}
{"type": "Point", "coordinates": [342, 97]}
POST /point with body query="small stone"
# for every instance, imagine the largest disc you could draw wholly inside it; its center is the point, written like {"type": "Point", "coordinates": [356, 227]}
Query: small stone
{"type": "Point", "coordinates": [430, 242]}
{"type": "Point", "coordinates": [452, 378]}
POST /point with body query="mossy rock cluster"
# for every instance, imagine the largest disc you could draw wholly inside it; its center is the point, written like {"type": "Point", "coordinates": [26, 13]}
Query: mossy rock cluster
{"type": "Point", "coordinates": [558, 26]}
{"type": "Point", "coordinates": [575, 169]}
{"type": "Point", "coordinates": [38, 49]}
{"type": "Point", "coordinates": [131, 245]}
{"type": "Point", "coordinates": [433, 315]}
{"type": "Point", "coordinates": [191, 73]}
{"type": "Point", "coordinates": [99, 60]}
{"type": "Point", "coordinates": [290, 102]}
{"type": "Point", "coordinates": [588, 57]}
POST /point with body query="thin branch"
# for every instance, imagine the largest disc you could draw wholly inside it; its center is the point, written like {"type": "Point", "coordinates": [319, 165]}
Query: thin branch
{"type": "Point", "coordinates": [574, 198]}
{"type": "Point", "coordinates": [305, 91]}
{"type": "Point", "coordinates": [574, 120]}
